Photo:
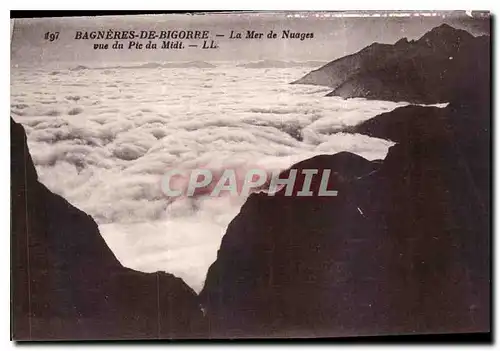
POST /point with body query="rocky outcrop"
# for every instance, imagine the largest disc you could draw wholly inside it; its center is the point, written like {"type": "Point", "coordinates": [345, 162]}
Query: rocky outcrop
{"type": "Point", "coordinates": [404, 247]}
{"type": "Point", "coordinates": [441, 65]}
{"type": "Point", "coordinates": [280, 259]}
{"type": "Point", "coordinates": [67, 283]}
{"type": "Point", "coordinates": [466, 127]}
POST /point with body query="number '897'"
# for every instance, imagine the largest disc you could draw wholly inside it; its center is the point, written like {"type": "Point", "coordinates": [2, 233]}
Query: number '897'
{"type": "Point", "coordinates": [51, 36]}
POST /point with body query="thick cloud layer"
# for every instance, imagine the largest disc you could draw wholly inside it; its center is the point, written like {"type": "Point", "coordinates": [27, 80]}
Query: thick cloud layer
{"type": "Point", "coordinates": [104, 138]}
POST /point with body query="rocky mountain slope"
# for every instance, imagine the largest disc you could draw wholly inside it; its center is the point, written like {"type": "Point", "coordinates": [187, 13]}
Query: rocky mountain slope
{"type": "Point", "coordinates": [433, 69]}
{"type": "Point", "coordinates": [66, 282]}
{"type": "Point", "coordinates": [404, 248]}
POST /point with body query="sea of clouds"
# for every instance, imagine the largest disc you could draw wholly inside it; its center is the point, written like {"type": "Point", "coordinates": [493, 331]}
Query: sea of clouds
{"type": "Point", "coordinates": [103, 138]}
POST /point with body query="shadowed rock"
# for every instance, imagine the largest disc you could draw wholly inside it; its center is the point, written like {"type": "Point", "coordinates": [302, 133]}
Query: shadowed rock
{"type": "Point", "coordinates": [465, 128]}
{"type": "Point", "coordinates": [284, 261]}
{"type": "Point", "coordinates": [67, 283]}
{"type": "Point", "coordinates": [443, 63]}
{"type": "Point", "coordinates": [403, 248]}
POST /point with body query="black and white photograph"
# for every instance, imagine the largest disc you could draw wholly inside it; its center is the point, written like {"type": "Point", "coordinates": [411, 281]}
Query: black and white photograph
{"type": "Point", "coordinates": [250, 175]}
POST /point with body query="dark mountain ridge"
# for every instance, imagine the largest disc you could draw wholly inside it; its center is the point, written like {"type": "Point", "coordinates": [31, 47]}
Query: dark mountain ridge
{"type": "Point", "coordinates": [66, 282]}
{"type": "Point", "coordinates": [403, 248]}
{"type": "Point", "coordinates": [432, 69]}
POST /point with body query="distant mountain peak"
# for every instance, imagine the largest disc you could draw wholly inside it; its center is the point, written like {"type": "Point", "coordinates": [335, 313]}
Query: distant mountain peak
{"type": "Point", "coordinates": [402, 41]}
{"type": "Point", "coordinates": [444, 26]}
{"type": "Point", "coordinates": [445, 32]}
{"type": "Point", "coordinates": [432, 69]}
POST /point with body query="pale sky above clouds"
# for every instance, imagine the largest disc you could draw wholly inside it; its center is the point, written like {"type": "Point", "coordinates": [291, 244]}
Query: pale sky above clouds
{"type": "Point", "coordinates": [333, 36]}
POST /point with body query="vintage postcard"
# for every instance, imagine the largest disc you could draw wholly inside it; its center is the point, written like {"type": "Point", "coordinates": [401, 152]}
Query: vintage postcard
{"type": "Point", "coordinates": [250, 175]}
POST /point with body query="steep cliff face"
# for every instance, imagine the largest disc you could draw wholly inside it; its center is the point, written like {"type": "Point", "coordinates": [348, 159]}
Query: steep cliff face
{"type": "Point", "coordinates": [465, 126]}
{"type": "Point", "coordinates": [403, 248]}
{"type": "Point", "coordinates": [334, 73]}
{"type": "Point", "coordinates": [284, 266]}
{"type": "Point", "coordinates": [443, 63]}
{"type": "Point", "coordinates": [67, 283]}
